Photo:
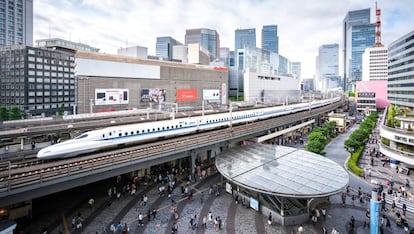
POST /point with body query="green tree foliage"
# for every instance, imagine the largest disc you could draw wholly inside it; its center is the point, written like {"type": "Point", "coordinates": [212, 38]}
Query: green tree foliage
{"type": "Point", "coordinates": [4, 115]}
{"type": "Point", "coordinates": [61, 109]}
{"type": "Point", "coordinates": [15, 113]}
{"type": "Point", "coordinates": [390, 116]}
{"type": "Point", "coordinates": [356, 142]}
{"type": "Point", "coordinates": [316, 142]}
{"type": "Point", "coordinates": [351, 94]}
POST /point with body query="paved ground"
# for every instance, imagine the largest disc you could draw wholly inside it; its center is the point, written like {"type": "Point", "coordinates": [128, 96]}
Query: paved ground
{"type": "Point", "coordinates": [236, 219]}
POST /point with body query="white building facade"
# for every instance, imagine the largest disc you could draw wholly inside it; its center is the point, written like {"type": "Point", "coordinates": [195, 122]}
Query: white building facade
{"type": "Point", "coordinates": [375, 64]}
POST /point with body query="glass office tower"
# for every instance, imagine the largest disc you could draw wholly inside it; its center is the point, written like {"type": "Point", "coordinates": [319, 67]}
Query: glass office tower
{"type": "Point", "coordinates": [358, 34]}
{"type": "Point", "coordinates": [270, 39]}
{"type": "Point", "coordinates": [244, 38]}
{"type": "Point", "coordinates": [207, 38]}
{"type": "Point", "coordinates": [164, 47]}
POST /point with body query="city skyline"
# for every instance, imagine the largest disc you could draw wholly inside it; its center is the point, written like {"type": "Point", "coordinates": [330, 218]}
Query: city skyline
{"type": "Point", "coordinates": [110, 25]}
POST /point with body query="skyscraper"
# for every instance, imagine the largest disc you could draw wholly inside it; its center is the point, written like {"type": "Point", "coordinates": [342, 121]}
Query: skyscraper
{"type": "Point", "coordinates": [270, 39]}
{"type": "Point", "coordinates": [297, 69]}
{"type": "Point", "coordinates": [16, 22]}
{"type": "Point", "coordinates": [400, 71]}
{"type": "Point", "coordinates": [164, 47]}
{"type": "Point", "coordinates": [244, 38]}
{"type": "Point", "coordinates": [207, 38]}
{"type": "Point", "coordinates": [327, 67]}
{"type": "Point", "coordinates": [358, 34]}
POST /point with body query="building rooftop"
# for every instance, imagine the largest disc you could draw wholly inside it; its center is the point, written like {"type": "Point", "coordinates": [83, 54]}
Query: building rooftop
{"type": "Point", "coordinates": [282, 171]}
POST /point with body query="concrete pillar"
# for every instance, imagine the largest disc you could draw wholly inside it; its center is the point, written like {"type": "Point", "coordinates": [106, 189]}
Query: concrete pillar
{"type": "Point", "coordinates": [22, 143]}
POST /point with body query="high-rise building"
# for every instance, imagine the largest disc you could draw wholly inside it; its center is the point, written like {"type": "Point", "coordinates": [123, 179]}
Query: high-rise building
{"type": "Point", "coordinates": [297, 69]}
{"type": "Point", "coordinates": [37, 80]}
{"type": "Point", "coordinates": [207, 38]}
{"type": "Point", "coordinates": [16, 22]}
{"type": "Point", "coordinates": [327, 67]}
{"type": "Point", "coordinates": [244, 38]}
{"type": "Point", "coordinates": [164, 47]}
{"type": "Point", "coordinates": [375, 64]}
{"type": "Point", "coordinates": [270, 39]}
{"type": "Point", "coordinates": [225, 56]}
{"type": "Point", "coordinates": [358, 34]}
{"type": "Point", "coordinates": [397, 131]}
{"type": "Point", "coordinates": [400, 71]}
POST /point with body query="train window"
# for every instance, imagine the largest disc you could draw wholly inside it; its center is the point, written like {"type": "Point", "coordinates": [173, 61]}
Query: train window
{"type": "Point", "coordinates": [153, 129]}
{"type": "Point", "coordinates": [158, 129]}
{"type": "Point", "coordinates": [110, 134]}
{"type": "Point", "coordinates": [137, 131]}
{"type": "Point", "coordinates": [132, 133]}
{"type": "Point", "coordinates": [126, 134]}
{"type": "Point", "coordinates": [82, 136]}
{"type": "Point", "coordinates": [163, 128]}
{"type": "Point", "coordinates": [120, 134]}
{"type": "Point", "coordinates": [168, 127]}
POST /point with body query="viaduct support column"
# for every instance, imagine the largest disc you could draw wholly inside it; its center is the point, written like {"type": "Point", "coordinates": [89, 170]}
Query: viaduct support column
{"type": "Point", "coordinates": [22, 143]}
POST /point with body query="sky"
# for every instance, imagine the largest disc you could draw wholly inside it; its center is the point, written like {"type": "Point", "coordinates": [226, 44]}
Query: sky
{"type": "Point", "coordinates": [303, 25]}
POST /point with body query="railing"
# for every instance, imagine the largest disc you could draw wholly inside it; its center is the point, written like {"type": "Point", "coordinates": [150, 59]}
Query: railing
{"type": "Point", "coordinates": [15, 177]}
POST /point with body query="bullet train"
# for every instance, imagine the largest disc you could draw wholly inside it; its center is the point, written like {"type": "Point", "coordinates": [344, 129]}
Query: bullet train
{"type": "Point", "coordinates": [117, 136]}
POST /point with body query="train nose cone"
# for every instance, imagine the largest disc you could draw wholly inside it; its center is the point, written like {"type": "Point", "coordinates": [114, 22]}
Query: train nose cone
{"type": "Point", "coordinates": [44, 153]}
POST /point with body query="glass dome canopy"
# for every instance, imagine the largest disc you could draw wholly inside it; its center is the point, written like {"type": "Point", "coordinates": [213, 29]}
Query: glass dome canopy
{"type": "Point", "coordinates": [282, 171]}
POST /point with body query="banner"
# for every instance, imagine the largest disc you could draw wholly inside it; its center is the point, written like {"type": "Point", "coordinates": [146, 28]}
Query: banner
{"type": "Point", "coordinates": [187, 95]}
{"type": "Point", "coordinates": [153, 95]}
{"type": "Point", "coordinates": [211, 94]}
{"type": "Point", "coordinates": [111, 96]}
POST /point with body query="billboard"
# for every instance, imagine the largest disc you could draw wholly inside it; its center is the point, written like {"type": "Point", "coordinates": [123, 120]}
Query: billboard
{"type": "Point", "coordinates": [153, 95]}
{"type": "Point", "coordinates": [254, 204]}
{"type": "Point", "coordinates": [187, 95]}
{"type": "Point", "coordinates": [211, 94]}
{"type": "Point", "coordinates": [111, 96]}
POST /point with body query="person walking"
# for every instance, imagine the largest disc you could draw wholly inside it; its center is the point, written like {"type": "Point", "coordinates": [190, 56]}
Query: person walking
{"type": "Point", "coordinates": [300, 229]}
{"type": "Point", "coordinates": [269, 219]}
{"type": "Point", "coordinates": [205, 222]}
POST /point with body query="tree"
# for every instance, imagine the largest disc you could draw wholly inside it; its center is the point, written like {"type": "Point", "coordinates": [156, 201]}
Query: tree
{"type": "Point", "coordinates": [61, 109]}
{"type": "Point", "coordinates": [15, 113]}
{"type": "Point", "coordinates": [316, 142]}
{"type": "Point", "coordinates": [4, 115]}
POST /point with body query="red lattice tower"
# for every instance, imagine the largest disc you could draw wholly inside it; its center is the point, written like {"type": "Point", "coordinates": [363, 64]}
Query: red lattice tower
{"type": "Point", "coordinates": [378, 27]}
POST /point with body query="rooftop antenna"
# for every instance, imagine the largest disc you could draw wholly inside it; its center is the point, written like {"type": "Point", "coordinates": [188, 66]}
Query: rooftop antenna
{"type": "Point", "coordinates": [378, 27]}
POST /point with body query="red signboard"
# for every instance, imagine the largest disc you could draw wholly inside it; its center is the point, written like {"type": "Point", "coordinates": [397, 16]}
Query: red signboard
{"type": "Point", "coordinates": [187, 95]}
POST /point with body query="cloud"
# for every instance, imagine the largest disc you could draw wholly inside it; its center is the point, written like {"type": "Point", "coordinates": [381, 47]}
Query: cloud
{"type": "Point", "coordinates": [303, 26]}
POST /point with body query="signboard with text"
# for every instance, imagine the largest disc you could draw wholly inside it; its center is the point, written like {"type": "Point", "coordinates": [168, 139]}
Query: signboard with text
{"type": "Point", "coordinates": [111, 96]}
{"type": "Point", "coordinates": [187, 95]}
{"type": "Point", "coordinates": [212, 95]}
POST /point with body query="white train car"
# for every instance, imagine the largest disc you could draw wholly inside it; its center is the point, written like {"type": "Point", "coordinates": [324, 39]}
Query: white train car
{"type": "Point", "coordinates": [117, 136]}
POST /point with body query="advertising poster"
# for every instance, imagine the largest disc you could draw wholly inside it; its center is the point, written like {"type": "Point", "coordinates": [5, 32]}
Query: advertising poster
{"type": "Point", "coordinates": [229, 188]}
{"type": "Point", "coordinates": [111, 96]}
{"type": "Point", "coordinates": [254, 204]}
{"type": "Point", "coordinates": [212, 95]}
{"type": "Point", "coordinates": [153, 95]}
{"type": "Point", "coordinates": [187, 95]}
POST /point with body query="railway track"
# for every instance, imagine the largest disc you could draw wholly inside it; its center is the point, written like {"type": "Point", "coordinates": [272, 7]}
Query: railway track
{"type": "Point", "coordinates": [20, 174]}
